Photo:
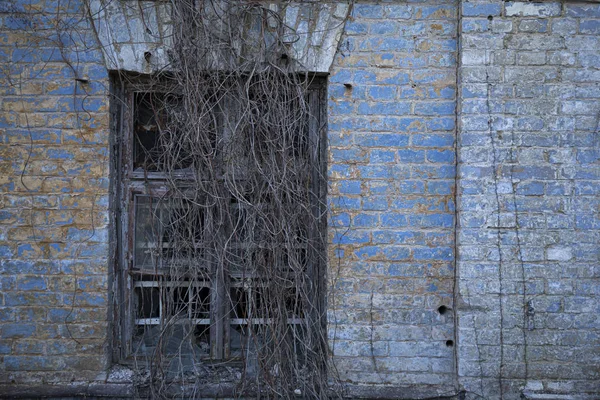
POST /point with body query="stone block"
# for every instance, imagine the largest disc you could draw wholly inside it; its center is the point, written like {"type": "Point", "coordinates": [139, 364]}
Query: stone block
{"type": "Point", "coordinates": [520, 9]}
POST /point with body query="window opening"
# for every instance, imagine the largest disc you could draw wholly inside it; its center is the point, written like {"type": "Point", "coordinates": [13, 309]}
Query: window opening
{"type": "Point", "coordinates": [215, 269]}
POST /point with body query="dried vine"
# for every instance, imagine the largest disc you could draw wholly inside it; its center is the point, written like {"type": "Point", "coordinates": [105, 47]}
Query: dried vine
{"type": "Point", "coordinates": [235, 230]}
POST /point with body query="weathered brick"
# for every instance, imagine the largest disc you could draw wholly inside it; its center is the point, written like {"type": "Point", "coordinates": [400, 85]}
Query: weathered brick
{"type": "Point", "coordinates": [532, 9]}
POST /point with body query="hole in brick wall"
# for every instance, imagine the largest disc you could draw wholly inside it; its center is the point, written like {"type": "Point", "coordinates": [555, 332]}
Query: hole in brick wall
{"type": "Point", "coordinates": [442, 310]}
{"type": "Point", "coordinates": [449, 343]}
{"type": "Point", "coordinates": [490, 17]}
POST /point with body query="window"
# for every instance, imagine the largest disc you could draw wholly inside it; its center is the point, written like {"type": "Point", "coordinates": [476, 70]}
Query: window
{"type": "Point", "coordinates": [207, 264]}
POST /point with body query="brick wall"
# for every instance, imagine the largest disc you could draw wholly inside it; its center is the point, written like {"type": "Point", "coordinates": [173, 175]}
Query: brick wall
{"type": "Point", "coordinates": [53, 200]}
{"type": "Point", "coordinates": [529, 197]}
{"type": "Point", "coordinates": [392, 101]}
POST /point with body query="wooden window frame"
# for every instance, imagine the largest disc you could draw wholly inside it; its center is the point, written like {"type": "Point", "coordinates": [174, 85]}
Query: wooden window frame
{"type": "Point", "coordinates": [127, 183]}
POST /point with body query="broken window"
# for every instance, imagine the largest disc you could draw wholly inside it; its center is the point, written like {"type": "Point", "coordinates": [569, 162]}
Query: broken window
{"type": "Point", "coordinates": [210, 263]}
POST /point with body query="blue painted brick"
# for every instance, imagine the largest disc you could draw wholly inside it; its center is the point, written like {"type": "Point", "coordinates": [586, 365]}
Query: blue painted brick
{"type": "Point", "coordinates": [29, 347]}
{"type": "Point", "coordinates": [582, 188]}
{"type": "Point", "coordinates": [412, 187]}
{"type": "Point", "coordinates": [391, 44]}
{"type": "Point", "coordinates": [433, 172]}
{"type": "Point", "coordinates": [380, 187]}
{"type": "Point", "coordinates": [448, 92]}
{"type": "Point", "coordinates": [344, 203]}
{"type": "Point", "coordinates": [5, 347]}
{"type": "Point", "coordinates": [398, 11]}
{"type": "Point", "coordinates": [13, 331]}
{"type": "Point", "coordinates": [61, 315]}
{"type": "Point", "coordinates": [440, 156]}
{"type": "Point", "coordinates": [590, 26]}
{"type": "Point", "coordinates": [382, 156]}
{"type": "Point", "coordinates": [341, 219]}
{"type": "Point", "coordinates": [383, 237]}
{"type": "Point", "coordinates": [399, 78]}
{"type": "Point", "coordinates": [432, 221]}
{"type": "Point", "coordinates": [24, 249]}
{"type": "Point", "coordinates": [434, 254]}
{"type": "Point", "coordinates": [341, 107]}
{"type": "Point", "coordinates": [439, 45]}
{"type": "Point", "coordinates": [587, 221]}
{"type": "Point", "coordinates": [441, 124]}
{"type": "Point", "coordinates": [588, 156]}
{"type": "Point", "coordinates": [474, 91]}
{"type": "Point", "coordinates": [17, 22]}
{"type": "Point", "coordinates": [7, 214]}
{"type": "Point", "coordinates": [376, 171]}
{"type": "Point", "coordinates": [583, 11]}
{"type": "Point", "coordinates": [475, 25]}
{"type": "Point", "coordinates": [375, 203]}
{"type": "Point", "coordinates": [339, 91]}
{"type": "Point", "coordinates": [32, 283]}
{"type": "Point", "coordinates": [45, 135]}
{"type": "Point", "coordinates": [411, 156]}
{"type": "Point", "coordinates": [382, 92]}
{"type": "Point", "coordinates": [59, 154]}
{"type": "Point", "coordinates": [530, 123]}
{"type": "Point", "coordinates": [96, 72]}
{"type": "Point", "coordinates": [367, 252]}
{"type": "Point", "coordinates": [348, 155]}
{"type": "Point", "coordinates": [351, 237]}
{"type": "Point", "coordinates": [406, 270]}
{"type": "Point", "coordinates": [440, 187]}
{"type": "Point", "coordinates": [340, 170]}
{"type": "Point", "coordinates": [7, 314]}
{"type": "Point", "coordinates": [32, 363]}
{"type": "Point", "coordinates": [383, 28]}
{"type": "Point", "coordinates": [393, 220]}
{"type": "Point", "coordinates": [86, 299]}
{"type": "Point", "coordinates": [435, 108]}
{"type": "Point", "coordinates": [405, 204]}
{"type": "Point", "coordinates": [411, 61]}
{"type": "Point", "coordinates": [35, 55]}
{"type": "Point", "coordinates": [531, 188]}
{"type": "Point", "coordinates": [382, 140]}
{"type": "Point", "coordinates": [341, 76]}
{"type": "Point", "coordinates": [353, 27]}
{"type": "Point", "coordinates": [350, 124]}
{"type": "Point", "coordinates": [436, 140]}
{"type": "Point", "coordinates": [365, 220]}
{"type": "Point", "coordinates": [7, 283]}
{"type": "Point", "coordinates": [6, 252]}
{"type": "Point", "coordinates": [350, 187]}
{"type": "Point", "coordinates": [93, 250]}
{"type": "Point", "coordinates": [30, 299]}
{"type": "Point", "coordinates": [535, 172]}
{"type": "Point", "coordinates": [384, 108]}
{"type": "Point", "coordinates": [368, 11]}
{"type": "Point", "coordinates": [15, 267]}
{"type": "Point", "coordinates": [435, 12]}
{"type": "Point", "coordinates": [363, 77]}
{"type": "Point", "coordinates": [403, 124]}
{"type": "Point", "coordinates": [395, 253]}
{"type": "Point", "coordinates": [481, 10]}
